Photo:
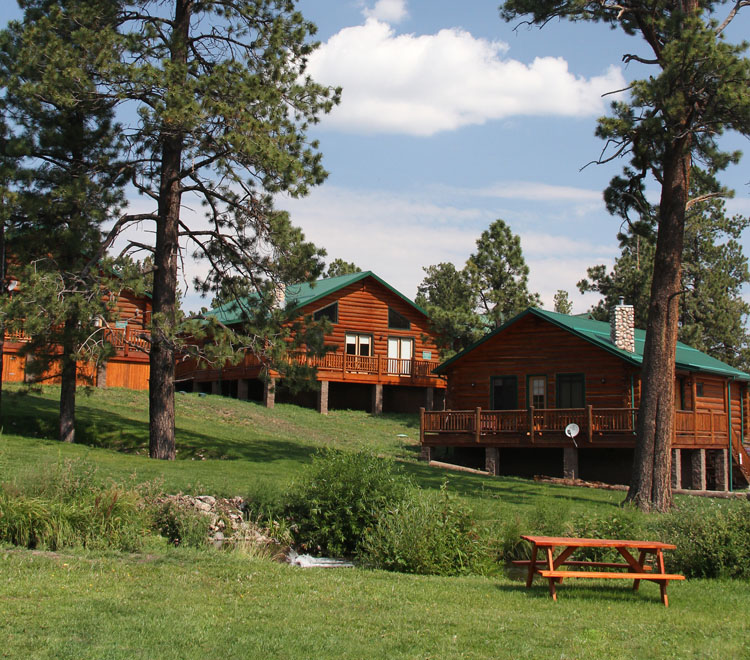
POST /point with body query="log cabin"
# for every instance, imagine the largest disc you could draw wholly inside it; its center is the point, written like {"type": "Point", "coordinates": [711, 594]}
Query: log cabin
{"type": "Point", "coordinates": [127, 332]}
{"type": "Point", "coordinates": [382, 357]}
{"type": "Point", "coordinates": [512, 395]}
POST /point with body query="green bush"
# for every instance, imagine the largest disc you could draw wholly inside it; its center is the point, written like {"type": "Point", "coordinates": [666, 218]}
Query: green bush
{"type": "Point", "coordinates": [341, 496]}
{"type": "Point", "coordinates": [180, 523]}
{"type": "Point", "coordinates": [622, 524]}
{"type": "Point", "coordinates": [711, 541]}
{"type": "Point", "coordinates": [426, 533]}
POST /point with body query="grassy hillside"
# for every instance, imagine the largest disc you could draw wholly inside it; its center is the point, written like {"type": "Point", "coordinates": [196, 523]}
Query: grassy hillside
{"type": "Point", "coordinates": [182, 603]}
{"type": "Point", "coordinates": [228, 447]}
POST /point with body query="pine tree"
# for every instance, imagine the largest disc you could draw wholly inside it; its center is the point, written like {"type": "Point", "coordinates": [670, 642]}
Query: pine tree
{"type": "Point", "coordinates": [449, 300]}
{"type": "Point", "coordinates": [223, 118]}
{"type": "Point", "coordinates": [562, 302]}
{"type": "Point", "coordinates": [498, 273]}
{"type": "Point", "coordinates": [712, 310]}
{"type": "Point", "coordinates": [696, 89]}
{"type": "Point", "coordinates": [340, 267]}
{"type": "Point", "coordinates": [67, 182]}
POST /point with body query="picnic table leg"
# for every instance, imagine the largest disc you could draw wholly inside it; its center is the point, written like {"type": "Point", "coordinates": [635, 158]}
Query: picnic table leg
{"type": "Point", "coordinates": [532, 566]}
{"type": "Point", "coordinates": [551, 565]}
{"type": "Point", "coordinates": [662, 583]}
{"type": "Point", "coordinates": [641, 559]}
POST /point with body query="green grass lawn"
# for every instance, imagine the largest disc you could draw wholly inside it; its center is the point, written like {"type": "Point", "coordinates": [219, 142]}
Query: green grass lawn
{"type": "Point", "coordinates": [178, 603]}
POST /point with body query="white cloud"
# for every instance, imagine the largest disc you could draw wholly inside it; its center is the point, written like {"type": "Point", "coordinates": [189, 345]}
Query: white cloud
{"type": "Point", "coordinates": [396, 235]}
{"type": "Point", "coordinates": [535, 191]}
{"type": "Point", "coordinates": [389, 11]}
{"type": "Point", "coordinates": [424, 84]}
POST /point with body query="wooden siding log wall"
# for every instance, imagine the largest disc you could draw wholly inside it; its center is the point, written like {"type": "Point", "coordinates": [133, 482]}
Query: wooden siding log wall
{"type": "Point", "coordinates": [534, 347]}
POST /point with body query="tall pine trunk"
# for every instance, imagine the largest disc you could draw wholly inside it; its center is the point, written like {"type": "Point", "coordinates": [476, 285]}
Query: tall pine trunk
{"type": "Point", "coordinates": [68, 384]}
{"type": "Point", "coordinates": [650, 485]}
{"type": "Point", "coordinates": [162, 354]}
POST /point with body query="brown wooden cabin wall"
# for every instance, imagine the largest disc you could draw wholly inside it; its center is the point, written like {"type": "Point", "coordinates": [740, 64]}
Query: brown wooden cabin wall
{"type": "Point", "coordinates": [14, 368]}
{"type": "Point", "coordinates": [132, 375]}
{"type": "Point", "coordinates": [363, 309]}
{"type": "Point", "coordinates": [135, 310]}
{"type": "Point", "coordinates": [535, 347]}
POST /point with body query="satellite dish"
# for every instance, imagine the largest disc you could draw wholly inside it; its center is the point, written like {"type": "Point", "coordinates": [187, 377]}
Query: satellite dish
{"type": "Point", "coordinates": [572, 430]}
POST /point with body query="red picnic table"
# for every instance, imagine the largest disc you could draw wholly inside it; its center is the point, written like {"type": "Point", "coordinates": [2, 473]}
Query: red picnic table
{"type": "Point", "coordinates": [548, 566]}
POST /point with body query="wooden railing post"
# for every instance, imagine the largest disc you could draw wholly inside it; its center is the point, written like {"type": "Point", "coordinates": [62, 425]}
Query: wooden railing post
{"type": "Point", "coordinates": [421, 427]}
{"type": "Point", "coordinates": [590, 413]}
{"type": "Point", "coordinates": [531, 424]}
{"type": "Point", "coordinates": [478, 425]}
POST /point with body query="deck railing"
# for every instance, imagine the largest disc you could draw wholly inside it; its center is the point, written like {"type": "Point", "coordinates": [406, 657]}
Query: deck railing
{"type": "Point", "coordinates": [371, 365]}
{"type": "Point", "coordinates": [128, 340]}
{"type": "Point", "coordinates": [124, 340]}
{"type": "Point", "coordinates": [701, 427]}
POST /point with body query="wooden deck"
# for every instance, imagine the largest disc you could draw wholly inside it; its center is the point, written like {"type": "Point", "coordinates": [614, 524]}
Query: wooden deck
{"type": "Point", "coordinates": [131, 342]}
{"type": "Point", "coordinates": [599, 427]}
{"type": "Point", "coordinates": [333, 367]}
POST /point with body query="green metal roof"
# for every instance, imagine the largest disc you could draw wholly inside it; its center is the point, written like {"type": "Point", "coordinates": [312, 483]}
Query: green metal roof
{"type": "Point", "coordinates": [299, 295]}
{"type": "Point", "coordinates": [597, 333]}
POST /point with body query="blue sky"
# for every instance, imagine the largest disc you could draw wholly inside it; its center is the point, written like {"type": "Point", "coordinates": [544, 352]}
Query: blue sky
{"type": "Point", "coordinates": [451, 118]}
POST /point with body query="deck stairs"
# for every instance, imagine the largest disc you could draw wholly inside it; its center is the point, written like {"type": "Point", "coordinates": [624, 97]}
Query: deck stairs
{"type": "Point", "coordinates": [741, 460]}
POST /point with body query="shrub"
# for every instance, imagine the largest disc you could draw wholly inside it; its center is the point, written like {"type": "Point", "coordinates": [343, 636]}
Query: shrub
{"type": "Point", "coordinates": [711, 541]}
{"type": "Point", "coordinates": [425, 533]}
{"type": "Point", "coordinates": [180, 523]}
{"type": "Point", "coordinates": [622, 524]}
{"type": "Point", "coordinates": [340, 497]}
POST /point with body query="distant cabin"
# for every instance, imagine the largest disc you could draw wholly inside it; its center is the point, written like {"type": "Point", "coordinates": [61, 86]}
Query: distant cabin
{"type": "Point", "coordinates": [512, 395]}
{"type": "Point", "coordinates": [382, 359]}
{"type": "Point", "coordinates": [127, 333]}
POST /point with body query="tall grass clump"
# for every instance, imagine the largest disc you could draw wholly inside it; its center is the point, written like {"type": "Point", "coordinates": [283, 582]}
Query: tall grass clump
{"type": "Point", "coordinates": [340, 496]}
{"type": "Point", "coordinates": [426, 533]}
{"type": "Point", "coordinates": [67, 507]}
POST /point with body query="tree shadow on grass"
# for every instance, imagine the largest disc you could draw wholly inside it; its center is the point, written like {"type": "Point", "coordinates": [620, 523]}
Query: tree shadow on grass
{"type": "Point", "coordinates": [29, 415]}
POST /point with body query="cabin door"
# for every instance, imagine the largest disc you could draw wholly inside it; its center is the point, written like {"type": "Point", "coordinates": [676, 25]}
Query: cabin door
{"type": "Point", "coordinates": [400, 350]}
{"type": "Point", "coordinates": [504, 393]}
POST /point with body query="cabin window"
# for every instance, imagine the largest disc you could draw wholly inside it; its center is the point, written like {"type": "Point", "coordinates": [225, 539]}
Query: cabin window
{"type": "Point", "coordinates": [504, 393]}
{"type": "Point", "coordinates": [538, 391]}
{"type": "Point", "coordinates": [699, 388]}
{"type": "Point", "coordinates": [397, 321]}
{"type": "Point", "coordinates": [685, 398]}
{"type": "Point", "coordinates": [359, 345]}
{"type": "Point", "coordinates": [571, 391]}
{"type": "Point", "coordinates": [331, 312]}
{"type": "Point", "coordinates": [400, 351]}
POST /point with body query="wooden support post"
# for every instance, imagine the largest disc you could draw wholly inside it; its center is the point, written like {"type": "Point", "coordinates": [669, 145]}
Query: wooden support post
{"type": "Point", "coordinates": [478, 425]}
{"type": "Point", "coordinates": [492, 460]}
{"type": "Point", "coordinates": [677, 468]}
{"type": "Point", "coordinates": [215, 387]}
{"type": "Point", "coordinates": [196, 386]}
{"type": "Point", "coordinates": [425, 454]}
{"type": "Point", "coordinates": [430, 398]}
{"type": "Point", "coordinates": [269, 392]}
{"type": "Point", "coordinates": [377, 399]}
{"type": "Point", "coordinates": [590, 418]}
{"type": "Point", "coordinates": [720, 468]}
{"type": "Point", "coordinates": [323, 397]}
{"type": "Point", "coordinates": [698, 469]}
{"type": "Point", "coordinates": [570, 463]}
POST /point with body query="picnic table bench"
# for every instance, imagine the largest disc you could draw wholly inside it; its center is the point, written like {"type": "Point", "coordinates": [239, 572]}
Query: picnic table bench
{"type": "Point", "coordinates": [549, 566]}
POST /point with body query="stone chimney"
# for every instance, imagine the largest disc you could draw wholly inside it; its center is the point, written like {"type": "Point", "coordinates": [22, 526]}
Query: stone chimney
{"type": "Point", "coordinates": [622, 326]}
{"type": "Point", "coordinates": [279, 295]}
